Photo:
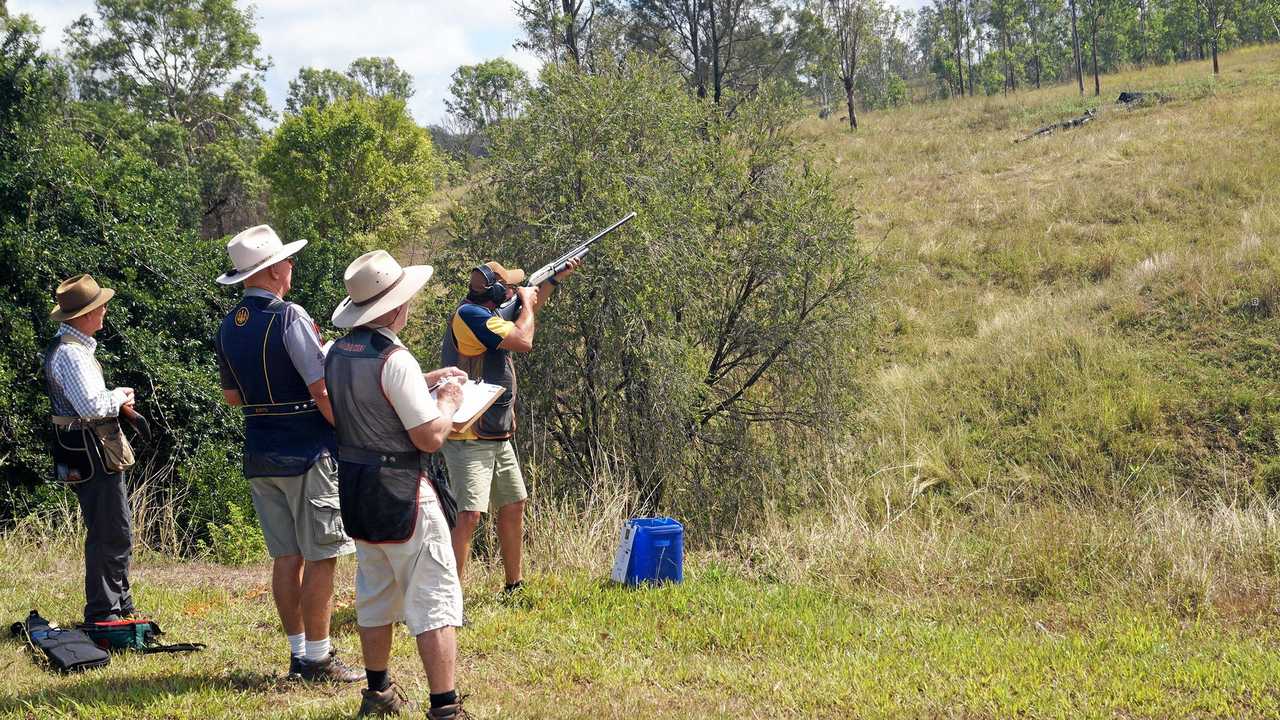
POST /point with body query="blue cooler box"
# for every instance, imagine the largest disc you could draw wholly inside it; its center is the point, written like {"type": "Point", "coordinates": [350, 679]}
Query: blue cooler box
{"type": "Point", "coordinates": [656, 551]}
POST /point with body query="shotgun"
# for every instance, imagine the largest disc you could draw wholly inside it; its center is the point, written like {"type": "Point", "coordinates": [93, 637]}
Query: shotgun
{"type": "Point", "coordinates": [510, 310]}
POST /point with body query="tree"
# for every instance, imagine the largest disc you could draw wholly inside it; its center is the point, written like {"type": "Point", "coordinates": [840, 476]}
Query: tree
{"type": "Point", "coordinates": [355, 173]}
{"type": "Point", "coordinates": [1005, 16]}
{"type": "Point", "coordinates": [171, 59]}
{"type": "Point", "coordinates": [851, 22]}
{"type": "Point", "coordinates": [674, 349]}
{"type": "Point", "coordinates": [556, 29]}
{"type": "Point", "coordinates": [192, 64]}
{"type": "Point", "coordinates": [1095, 13]}
{"type": "Point", "coordinates": [1075, 48]}
{"type": "Point", "coordinates": [381, 77]}
{"type": "Point", "coordinates": [958, 34]}
{"type": "Point", "coordinates": [319, 87]}
{"type": "Point", "coordinates": [1215, 10]}
{"type": "Point", "coordinates": [365, 77]}
{"type": "Point", "coordinates": [481, 95]}
{"type": "Point", "coordinates": [720, 45]}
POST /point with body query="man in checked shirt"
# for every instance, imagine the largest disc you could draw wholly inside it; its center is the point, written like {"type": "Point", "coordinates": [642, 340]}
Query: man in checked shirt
{"type": "Point", "coordinates": [81, 404]}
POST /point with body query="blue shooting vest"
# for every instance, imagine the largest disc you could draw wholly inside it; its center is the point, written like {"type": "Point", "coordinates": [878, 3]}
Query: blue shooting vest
{"type": "Point", "coordinates": [284, 432]}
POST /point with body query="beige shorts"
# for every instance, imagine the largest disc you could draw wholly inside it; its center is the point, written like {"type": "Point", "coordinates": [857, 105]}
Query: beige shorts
{"type": "Point", "coordinates": [415, 581]}
{"type": "Point", "coordinates": [481, 471]}
{"type": "Point", "coordinates": [299, 514]}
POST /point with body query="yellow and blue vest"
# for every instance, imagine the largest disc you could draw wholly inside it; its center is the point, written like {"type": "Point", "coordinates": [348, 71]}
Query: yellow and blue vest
{"type": "Point", "coordinates": [471, 343]}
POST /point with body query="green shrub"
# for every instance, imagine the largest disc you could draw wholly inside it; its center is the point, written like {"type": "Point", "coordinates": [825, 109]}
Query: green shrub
{"type": "Point", "coordinates": [236, 541]}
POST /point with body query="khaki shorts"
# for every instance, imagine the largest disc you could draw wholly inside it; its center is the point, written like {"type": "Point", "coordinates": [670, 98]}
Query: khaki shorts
{"type": "Point", "coordinates": [415, 581]}
{"type": "Point", "coordinates": [299, 514]}
{"type": "Point", "coordinates": [481, 471]}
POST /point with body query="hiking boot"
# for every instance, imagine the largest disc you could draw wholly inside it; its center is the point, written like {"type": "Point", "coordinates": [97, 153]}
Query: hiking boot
{"type": "Point", "coordinates": [449, 712]}
{"type": "Point", "coordinates": [330, 669]}
{"type": "Point", "coordinates": [391, 701]}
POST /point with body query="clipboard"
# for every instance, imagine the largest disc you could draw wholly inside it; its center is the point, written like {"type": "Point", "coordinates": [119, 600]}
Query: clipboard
{"type": "Point", "coordinates": [477, 397]}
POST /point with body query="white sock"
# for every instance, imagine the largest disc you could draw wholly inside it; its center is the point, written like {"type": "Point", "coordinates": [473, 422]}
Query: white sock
{"type": "Point", "coordinates": [317, 649]}
{"type": "Point", "coordinates": [297, 644]}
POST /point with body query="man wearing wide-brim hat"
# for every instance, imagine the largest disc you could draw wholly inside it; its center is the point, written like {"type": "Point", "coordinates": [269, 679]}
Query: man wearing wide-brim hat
{"type": "Point", "coordinates": [86, 419]}
{"type": "Point", "coordinates": [271, 364]}
{"type": "Point", "coordinates": [387, 422]}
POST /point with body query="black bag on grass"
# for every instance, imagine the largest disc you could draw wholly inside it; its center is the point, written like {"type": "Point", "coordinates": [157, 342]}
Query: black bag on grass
{"type": "Point", "coordinates": [66, 650]}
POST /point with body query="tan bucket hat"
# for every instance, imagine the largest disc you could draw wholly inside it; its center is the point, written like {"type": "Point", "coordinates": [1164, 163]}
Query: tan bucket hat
{"type": "Point", "coordinates": [254, 249]}
{"type": "Point", "coordinates": [78, 296]}
{"type": "Point", "coordinates": [376, 284]}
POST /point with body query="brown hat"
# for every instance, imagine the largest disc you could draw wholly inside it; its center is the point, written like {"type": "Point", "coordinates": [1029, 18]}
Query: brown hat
{"type": "Point", "coordinates": [78, 296]}
{"type": "Point", "coordinates": [510, 278]}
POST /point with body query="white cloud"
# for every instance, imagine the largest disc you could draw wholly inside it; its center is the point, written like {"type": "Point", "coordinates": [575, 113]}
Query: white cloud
{"type": "Point", "coordinates": [428, 38]}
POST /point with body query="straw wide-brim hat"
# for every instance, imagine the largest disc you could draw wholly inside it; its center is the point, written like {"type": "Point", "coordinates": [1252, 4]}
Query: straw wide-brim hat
{"type": "Point", "coordinates": [78, 296]}
{"type": "Point", "coordinates": [377, 284]}
{"type": "Point", "coordinates": [254, 249]}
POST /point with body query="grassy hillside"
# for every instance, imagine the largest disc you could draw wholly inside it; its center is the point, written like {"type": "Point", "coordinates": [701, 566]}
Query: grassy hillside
{"type": "Point", "coordinates": [1058, 501]}
{"type": "Point", "coordinates": [1090, 314]}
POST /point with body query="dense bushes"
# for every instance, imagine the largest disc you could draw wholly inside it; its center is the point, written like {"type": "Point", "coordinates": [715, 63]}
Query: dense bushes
{"type": "Point", "coordinates": [79, 196]}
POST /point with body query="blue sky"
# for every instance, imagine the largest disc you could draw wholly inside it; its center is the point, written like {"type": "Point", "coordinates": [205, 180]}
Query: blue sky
{"type": "Point", "coordinates": [428, 38]}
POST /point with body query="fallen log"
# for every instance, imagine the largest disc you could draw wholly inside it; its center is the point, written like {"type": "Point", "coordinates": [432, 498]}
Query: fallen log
{"type": "Point", "coordinates": [1064, 125]}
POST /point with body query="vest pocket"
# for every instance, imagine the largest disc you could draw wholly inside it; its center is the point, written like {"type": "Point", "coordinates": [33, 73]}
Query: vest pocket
{"type": "Point", "coordinates": [378, 504]}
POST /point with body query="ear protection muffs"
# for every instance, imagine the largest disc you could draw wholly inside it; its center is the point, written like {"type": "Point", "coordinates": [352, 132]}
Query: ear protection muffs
{"type": "Point", "coordinates": [494, 290]}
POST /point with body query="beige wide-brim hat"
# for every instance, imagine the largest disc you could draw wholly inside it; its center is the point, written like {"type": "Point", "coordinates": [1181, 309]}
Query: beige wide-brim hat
{"type": "Point", "coordinates": [78, 296]}
{"type": "Point", "coordinates": [254, 249]}
{"type": "Point", "coordinates": [377, 284]}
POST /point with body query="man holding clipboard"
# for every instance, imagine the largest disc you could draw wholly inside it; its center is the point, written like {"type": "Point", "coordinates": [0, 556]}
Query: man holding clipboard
{"type": "Point", "coordinates": [483, 468]}
{"type": "Point", "coordinates": [387, 421]}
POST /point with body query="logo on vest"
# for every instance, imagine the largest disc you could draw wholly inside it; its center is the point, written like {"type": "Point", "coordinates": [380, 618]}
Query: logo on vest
{"type": "Point", "coordinates": [242, 317]}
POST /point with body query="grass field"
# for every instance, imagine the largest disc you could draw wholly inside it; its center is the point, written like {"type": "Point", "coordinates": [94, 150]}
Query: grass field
{"type": "Point", "coordinates": [724, 644]}
{"type": "Point", "coordinates": [1059, 500]}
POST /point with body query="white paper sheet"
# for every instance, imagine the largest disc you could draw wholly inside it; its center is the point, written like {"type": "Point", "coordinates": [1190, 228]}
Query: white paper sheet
{"type": "Point", "coordinates": [475, 396]}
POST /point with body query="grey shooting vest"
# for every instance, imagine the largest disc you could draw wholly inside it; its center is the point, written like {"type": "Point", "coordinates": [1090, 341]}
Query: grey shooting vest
{"type": "Point", "coordinates": [379, 468]}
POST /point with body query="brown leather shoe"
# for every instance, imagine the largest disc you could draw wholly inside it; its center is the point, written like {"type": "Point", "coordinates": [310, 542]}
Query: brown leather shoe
{"type": "Point", "coordinates": [449, 712]}
{"type": "Point", "coordinates": [391, 701]}
{"type": "Point", "coordinates": [330, 669]}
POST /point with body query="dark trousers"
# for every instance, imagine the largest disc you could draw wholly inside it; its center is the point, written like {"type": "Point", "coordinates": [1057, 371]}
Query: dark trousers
{"type": "Point", "coordinates": [108, 544]}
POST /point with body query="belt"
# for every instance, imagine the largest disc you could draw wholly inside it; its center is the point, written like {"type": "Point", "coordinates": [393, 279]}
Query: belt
{"type": "Point", "coordinates": [279, 408]}
{"type": "Point", "coordinates": [411, 460]}
{"type": "Point", "coordinates": [65, 422]}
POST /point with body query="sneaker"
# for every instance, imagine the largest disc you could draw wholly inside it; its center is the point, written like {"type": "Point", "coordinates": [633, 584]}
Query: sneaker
{"type": "Point", "coordinates": [295, 667]}
{"type": "Point", "coordinates": [512, 589]}
{"type": "Point", "coordinates": [390, 701]}
{"type": "Point", "coordinates": [449, 712]}
{"type": "Point", "coordinates": [330, 669]}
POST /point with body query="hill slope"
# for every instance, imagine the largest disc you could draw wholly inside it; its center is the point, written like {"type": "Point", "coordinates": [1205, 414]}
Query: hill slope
{"type": "Point", "coordinates": [1086, 314]}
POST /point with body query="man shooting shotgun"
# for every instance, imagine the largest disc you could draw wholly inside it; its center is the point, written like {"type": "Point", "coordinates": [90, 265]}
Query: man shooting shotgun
{"type": "Point", "coordinates": [510, 310]}
{"type": "Point", "coordinates": [496, 319]}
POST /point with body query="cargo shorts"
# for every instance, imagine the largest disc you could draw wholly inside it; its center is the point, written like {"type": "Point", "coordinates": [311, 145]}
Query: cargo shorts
{"type": "Point", "coordinates": [415, 581]}
{"type": "Point", "coordinates": [482, 472]}
{"type": "Point", "coordinates": [299, 514]}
